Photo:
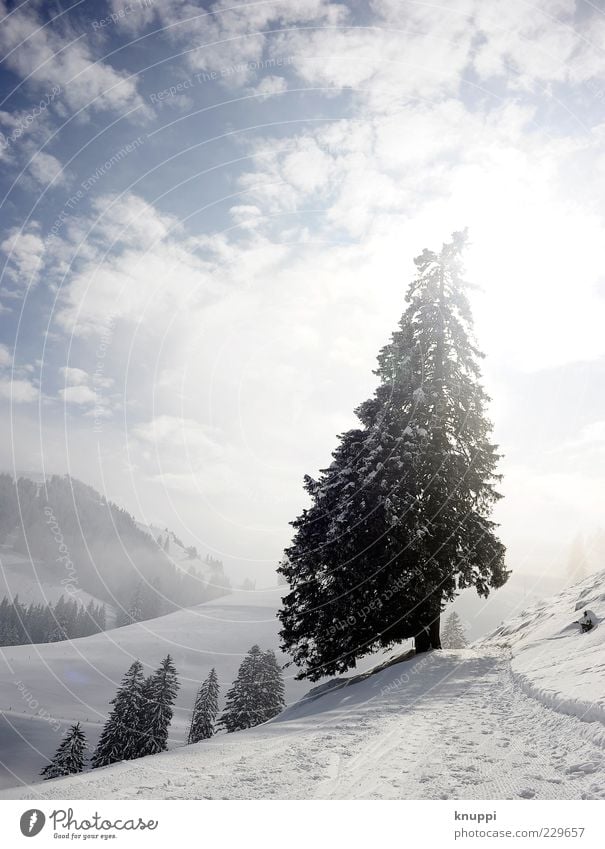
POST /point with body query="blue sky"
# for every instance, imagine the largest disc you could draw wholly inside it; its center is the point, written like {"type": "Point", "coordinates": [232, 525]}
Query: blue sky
{"type": "Point", "coordinates": [209, 213]}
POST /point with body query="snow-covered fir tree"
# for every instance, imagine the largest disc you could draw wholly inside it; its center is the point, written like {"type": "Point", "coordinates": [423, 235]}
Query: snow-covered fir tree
{"type": "Point", "coordinates": [69, 757]}
{"type": "Point", "coordinates": [58, 633]}
{"type": "Point", "coordinates": [273, 686]}
{"type": "Point", "coordinates": [400, 521]}
{"type": "Point", "coordinates": [453, 636]}
{"type": "Point", "coordinates": [205, 710]}
{"type": "Point", "coordinates": [257, 693]}
{"type": "Point", "coordinates": [120, 739]}
{"type": "Point", "coordinates": [159, 694]}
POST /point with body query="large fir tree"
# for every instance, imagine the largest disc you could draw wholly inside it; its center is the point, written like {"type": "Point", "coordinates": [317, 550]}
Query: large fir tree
{"type": "Point", "coordinates": [205, 710]}
{"type": "Point", "coordinates": [120, 738]}
{"type": "Point", "coordinates": [257, 694]}
{"type": "Point", "coordinates": [69, 757]}
{"type": "Point", "coordinates": [159, 694]}
{"type": "Point", "coordinates": [400, 521]}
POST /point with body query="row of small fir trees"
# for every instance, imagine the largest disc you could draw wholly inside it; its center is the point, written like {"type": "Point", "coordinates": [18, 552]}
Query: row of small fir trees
{"type": "Point", "coordinates": [142, 710]}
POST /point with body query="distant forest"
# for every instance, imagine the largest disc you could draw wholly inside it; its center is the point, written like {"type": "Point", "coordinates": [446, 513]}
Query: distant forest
{"type": "Point", "coordinates": [48, 623]}
{"type": "Point", "coordinates": [91, 544]}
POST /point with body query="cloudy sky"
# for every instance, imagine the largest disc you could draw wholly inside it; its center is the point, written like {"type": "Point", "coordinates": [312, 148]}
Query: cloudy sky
{"type": "Point", "coordinates": [209, 215]}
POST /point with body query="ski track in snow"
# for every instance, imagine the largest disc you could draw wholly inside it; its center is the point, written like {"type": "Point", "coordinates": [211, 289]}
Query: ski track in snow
{"type": "Point", "coordinates": [451, 724]}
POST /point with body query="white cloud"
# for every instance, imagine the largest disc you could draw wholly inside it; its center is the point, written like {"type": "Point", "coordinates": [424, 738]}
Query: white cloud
{"type": "Point", "coordinates": [410, 179]}
{"type": "Point", "coordinates": [85, 390]}
{"type": "Point", "coordinates": [6, 357]}
{"type": "Point", "coordinates": [230, 39]}
{"type": "Point", "coordinates": [412, 50]}
{"type": "Point", "coordinates": [132, 286]}
{"type": "Point", "coordinates": [246, 216]}
{"type": "Point", "coordinates": [127, 261]}
{"type": "Point", "coordinates": [270, 85]}
{"type": "Point", "coordinates": [18, 391]}
{"type": "Point", "coordinates": [46, 169]}
{"type": "Point", "coordinates": [529, 43]}
{"type": "Point", "coordinates": [24, 250]}
{"type": "Point", "coordinates": [130, 220]}
{"type": "Point", "coordinates": [166, 430]}
{"type": "Point", "coordinates": [47, 59]}
{"type": "Point", "coordinates": [74, 376]}
{"type": "Point", "coordinates": [78, 395]}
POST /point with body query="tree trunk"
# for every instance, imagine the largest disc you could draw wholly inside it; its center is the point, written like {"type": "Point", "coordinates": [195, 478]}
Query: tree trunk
{"type": "Point", "coordinates": [422, 641]}
{"type": "Point", "coordinates": [435, 636]}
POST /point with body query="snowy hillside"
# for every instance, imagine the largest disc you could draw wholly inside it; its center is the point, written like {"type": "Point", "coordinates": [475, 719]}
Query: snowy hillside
{"type": "Point", "coordinates": [74, 680]}
{"type": "Point", "coordinates": [187, 558]}
{"type": "Point", "coordinates": [481, 615]}
{"type": "Point", "coordinates": [552, 661]}
{"type": "Point", "coordinates": [37, 581]}
{"type": "Point", "coordinates": [60, 535]}
{"type": "Point", "coordinates": [518, 715]}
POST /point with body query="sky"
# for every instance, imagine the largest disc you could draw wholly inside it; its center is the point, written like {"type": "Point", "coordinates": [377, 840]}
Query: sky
{"type": "Point", "coordinates": [209, 213]}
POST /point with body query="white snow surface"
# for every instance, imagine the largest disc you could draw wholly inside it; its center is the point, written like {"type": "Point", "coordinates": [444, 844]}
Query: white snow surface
{"type": "Point", "coordinates": [553, 661]}
{"type": "Point", "coordinates": [518, 715]}
{"type": "Point", "coordinates": [46, 686]}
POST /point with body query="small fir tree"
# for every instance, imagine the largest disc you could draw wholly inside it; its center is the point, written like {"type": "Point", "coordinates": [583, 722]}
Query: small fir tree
{"type": "Point", "coordinates": [69, 757]}
{"type": "Point", "coordinates": [453, 636]}
{"type": "Point", "coordinates": [120, 738]}
{"type": "Point", "coordinates": [256, 694]}
{"type": "Point", "coordinates": [272, 684]}
{"type": "Point", "coordinates": [159, 694]}
{"type": "Point", "coordinates": [205, 710]}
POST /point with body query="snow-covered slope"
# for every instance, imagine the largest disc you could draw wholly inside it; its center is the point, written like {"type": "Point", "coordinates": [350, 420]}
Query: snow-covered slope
{"type": "Point", "coordinates": [186, 558]}
{"type": "Point", "coordinates": [38, 581]}
{"type": "Point", "coordinates": [469, 724]}
{"type": "Point", "coordinates": [553, 661]}
{"type": "Point", "coordinates": [44, 687]}
{"type": "Point", "coordinates": [450, 724]}
{"type": "Point", "coordinates": [482, 615]}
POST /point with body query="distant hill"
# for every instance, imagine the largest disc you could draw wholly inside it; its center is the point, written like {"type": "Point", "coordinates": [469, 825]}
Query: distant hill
{"type": "Point", "coordinates": [60, 535]}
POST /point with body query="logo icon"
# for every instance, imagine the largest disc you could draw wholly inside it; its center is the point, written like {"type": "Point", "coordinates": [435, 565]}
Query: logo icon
{"type": "Point", "coordinates": [32, 822]}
